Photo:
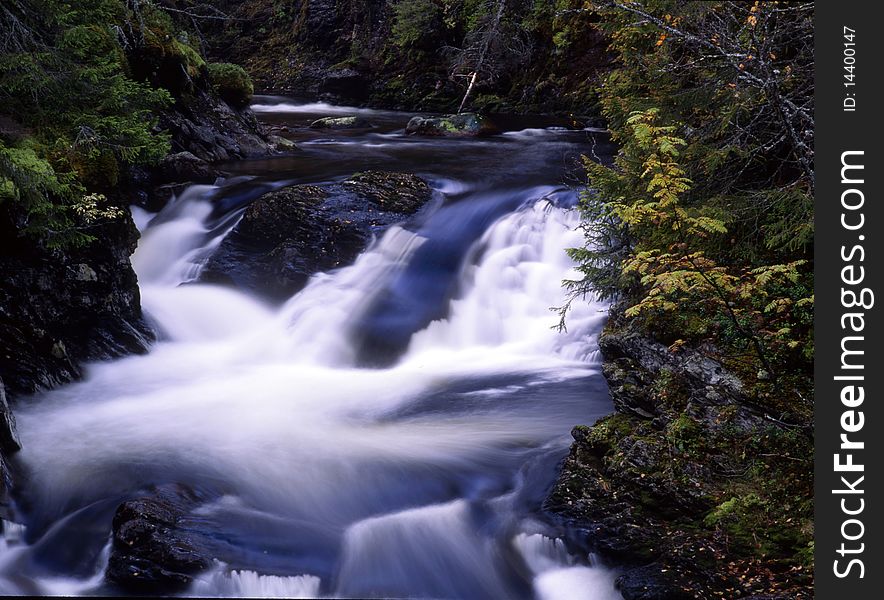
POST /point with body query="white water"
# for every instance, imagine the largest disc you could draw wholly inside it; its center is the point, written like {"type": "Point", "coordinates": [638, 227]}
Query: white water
{"type": "Point", "coordinates": [268, 406]}
{"type": "Point", "coordinates": [309, 108]}
{"type": "Point", "coordinates": [221, 583]}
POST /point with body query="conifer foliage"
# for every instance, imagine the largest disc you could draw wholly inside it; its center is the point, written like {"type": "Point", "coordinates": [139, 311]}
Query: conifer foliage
{"type": "Point", "coordinates": [73, 111]}
{"type": "Point", "coordinates": [704, 225]}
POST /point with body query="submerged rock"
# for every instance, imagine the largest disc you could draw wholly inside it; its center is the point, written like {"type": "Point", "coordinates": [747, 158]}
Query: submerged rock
{"type": "Point", "coordinates": [349, 122]}
{"type": "Point", "coordinates": [460, 125]}
{"type": "Point", "coordinates": [287, 235]}
{"type": "Point", "coordinates": [151, 552]}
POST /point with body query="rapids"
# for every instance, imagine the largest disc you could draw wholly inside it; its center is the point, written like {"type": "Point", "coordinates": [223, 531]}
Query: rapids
{"type": "Point", "coordinates": [420, 477]}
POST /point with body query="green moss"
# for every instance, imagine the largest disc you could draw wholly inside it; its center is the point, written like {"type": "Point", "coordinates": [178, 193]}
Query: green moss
{"type": "Point", "coordinates": [607, 431]}
{"type": "Point", "coordinates": [685, 435]}
{"type": "Point", "coordinates": [191, 60]}
{"type": "Point", "coordinates": [232, 83]}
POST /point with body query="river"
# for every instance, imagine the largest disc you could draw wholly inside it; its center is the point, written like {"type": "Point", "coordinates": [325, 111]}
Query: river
{"type": "Point", "coordinates": [325, 478]}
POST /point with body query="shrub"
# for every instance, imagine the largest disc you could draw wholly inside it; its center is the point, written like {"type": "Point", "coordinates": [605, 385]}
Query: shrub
{"type": "Point", "coordinates": [232, 83]}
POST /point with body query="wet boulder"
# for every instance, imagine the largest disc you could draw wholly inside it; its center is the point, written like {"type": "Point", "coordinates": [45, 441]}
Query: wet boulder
{"type": "Point", "coordinates": [391, 192]}
{"type": "Point", "coordinates": [63, 307]}
{"type": "Point", "coordinates": [151, 551]}
{"type": "Point", "coordinates": [348, 122]}
{"type": "Point", "coordinates": [460, 125]}
{"type": "Point", "coordinates": [287, 235]}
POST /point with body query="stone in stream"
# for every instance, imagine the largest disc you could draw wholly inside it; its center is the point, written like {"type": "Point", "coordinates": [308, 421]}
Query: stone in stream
{"type": "Point", "coordinates": [287, 235]}
{"type": "Point", "coordinates": [348, 122]}
{"type": "Point", "coordinates": [151, 552]}
{"type": "Point", "coordinates": [460, 125]}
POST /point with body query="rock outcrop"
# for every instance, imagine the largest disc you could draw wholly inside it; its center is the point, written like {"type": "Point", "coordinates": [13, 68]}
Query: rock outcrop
{"type": "Point", "coordinates": [666, 486]}
{"type": "Point", "coordinates": [60, 308]}
{"type": "Point", "coordinates": [9, 444]}
{"type": "Point", "coordinates": [213, 131]}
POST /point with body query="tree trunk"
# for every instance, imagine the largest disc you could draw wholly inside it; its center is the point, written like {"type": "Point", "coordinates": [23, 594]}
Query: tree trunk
{"type": "Point", "coordinates": [468, 92]}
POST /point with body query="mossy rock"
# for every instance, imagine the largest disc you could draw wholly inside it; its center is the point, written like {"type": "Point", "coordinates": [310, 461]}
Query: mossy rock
{"type": "Point", "coordinates": [460, 125]}
{"type": "Point", "coordinates": [232, 83]}
{"type": "Point", "coordinates": [348, 122]}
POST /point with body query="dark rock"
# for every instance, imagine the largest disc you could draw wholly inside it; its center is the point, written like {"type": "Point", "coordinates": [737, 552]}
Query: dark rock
{"type": "Point", "coordinates": [641, 481]}
{"type": "Point", "coordinates": [9, 442]}
{"type": "Point", "coordinates": [185, 167]}
{"type": "Point", "coordinates": [634, 364]}
{"type": "Point", "coordinates": [460, 125]}
{"type": "Point", "coordinates": [9, 445]}
{"type": "Point", "coordinates": [652, 582]}
{"type": "Point", "coordinates": [321, 22]}
{"type": "Point", "coordinates": [152, 552]}
{"type": "Point", "coordinates": [280, 215]}
{"type": "Point", "coordinates": [393, 192]}
{"type": "Point", "coordinates": [60, 308]}
{"type": "Point", "coordinates": [11, 130]}
{"type": "Point", "coordinates": [212, 131]}
{"type": "Point", "coordinates": [287, 235]}
{"type": "Point", "coordinates": [344, 83]}
{"type": "Point", "coordinates": [349, 122]}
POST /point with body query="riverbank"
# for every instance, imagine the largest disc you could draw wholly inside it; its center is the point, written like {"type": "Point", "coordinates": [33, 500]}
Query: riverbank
{"type": "Point", "coordinates": [689, 485]}
{"type": "Point", "coordinates": [417, 55]}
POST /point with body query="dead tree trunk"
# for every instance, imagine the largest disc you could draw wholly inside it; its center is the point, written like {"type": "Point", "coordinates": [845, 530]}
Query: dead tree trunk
{"type": "Point", "coordinates": [481, 47]}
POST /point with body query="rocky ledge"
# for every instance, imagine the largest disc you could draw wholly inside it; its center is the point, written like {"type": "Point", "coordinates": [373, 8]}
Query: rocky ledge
{"type": "Point", "coordinates": [61, 308]}
{"type": "Point", "coordinates": [690, 486]}
{"type": "Point", "coordinates": [289, 234]}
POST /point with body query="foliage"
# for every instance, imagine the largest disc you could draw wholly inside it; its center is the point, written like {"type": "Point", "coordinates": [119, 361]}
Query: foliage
{"type": "Point", "coordinates": [70, 83]}
{"type": "Point", "coordinates": [232, 83]}
{"type": "Point", "coordinates": [706, 215]}
{"type": "Point", "coordinates": [414, 20]}
{"type": "Point", "coordinates": [701, 230]}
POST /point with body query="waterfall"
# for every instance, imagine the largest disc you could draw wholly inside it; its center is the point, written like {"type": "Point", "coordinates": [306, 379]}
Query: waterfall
{"type": "Point", "coordinates": [334, 473]}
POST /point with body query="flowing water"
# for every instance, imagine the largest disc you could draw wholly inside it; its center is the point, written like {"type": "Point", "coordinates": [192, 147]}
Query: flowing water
{"type": "Point", "coordinates": [423, 478]}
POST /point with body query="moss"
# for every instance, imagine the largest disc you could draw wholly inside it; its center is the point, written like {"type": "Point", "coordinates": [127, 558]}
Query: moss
{"type": "Point", "coordinates": [685, 435]}
{"type": "Point", "coordinates": [232, 83]}
{"type": "Point", "coordinates": [191, 60]}
{"type": "Point", "coordinates": [606, 431]}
